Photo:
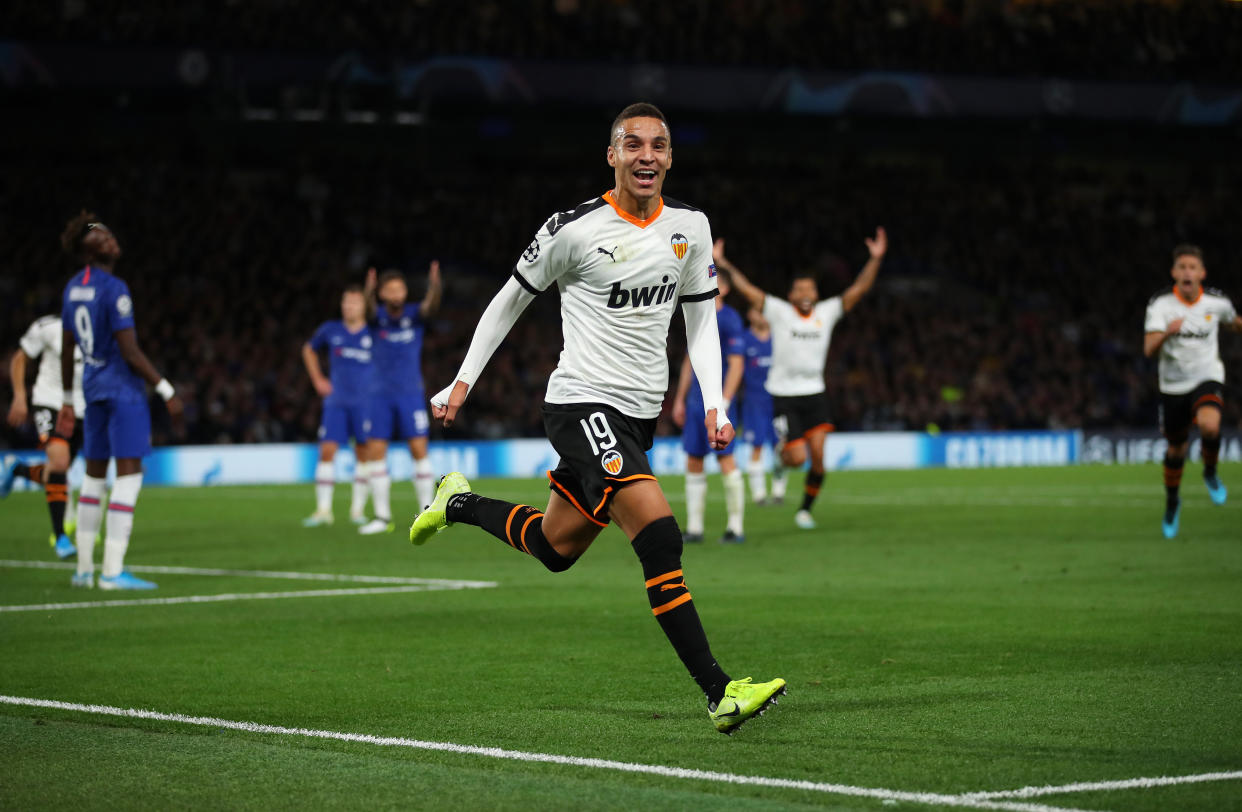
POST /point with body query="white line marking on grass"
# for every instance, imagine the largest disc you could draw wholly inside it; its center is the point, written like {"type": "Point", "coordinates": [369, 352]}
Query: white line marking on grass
{"type": "Point", "coordinates": [229, 596]}
{"type": "Point", "coordinates": [1097, 786]}
{"type": "Point", "coordinates": [546, 758]}
{"type": "Point", "coordinates": [292, 576]}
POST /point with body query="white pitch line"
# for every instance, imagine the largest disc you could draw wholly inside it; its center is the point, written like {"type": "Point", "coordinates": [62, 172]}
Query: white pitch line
{"type": "Point", "coordinates": [546, 758]}
{"type": "Point", "coordinates": [292, 576]}
{"type": "Point", "coordinates": [1098, 786]}
{"type": "Point", "coordinates": [229, 596]}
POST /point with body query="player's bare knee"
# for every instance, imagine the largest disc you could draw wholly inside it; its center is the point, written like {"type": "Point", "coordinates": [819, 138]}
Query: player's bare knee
{"type": "Point", "coordinates": [793, 455]}
{"type": "Point", "coordinates": [327, 452]}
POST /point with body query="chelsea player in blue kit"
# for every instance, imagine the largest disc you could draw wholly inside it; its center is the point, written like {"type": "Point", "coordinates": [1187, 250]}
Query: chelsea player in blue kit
{"type": "Point", "coordinates": [98, 317]}
{"type": "Point", "coordinates": [757, 428]}
{"type": "Point", "coordinates": [688, 412]}
{"type": "Point", "coordinates": [398, 405]}
{"type": "Point", "coordinates": [346, 408]}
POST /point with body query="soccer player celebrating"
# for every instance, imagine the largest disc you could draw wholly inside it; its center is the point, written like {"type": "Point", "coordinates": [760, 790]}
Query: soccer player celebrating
{"type": "Point", "coordinates": [757, 429]}
{"type": "Point", "coordinates": [1183, 326]}
{"type": "Point", "coordinates": [801, 332]}
{"type": "Point", "coordinates": [622, 262]}
{"type": "Point", "coordinates": [42, 341]}
{"type": "Point", "coordinates": [98, 317]}
{"type": "Point", "coordinates": [346, 407]}
{"type": "Point", "coordinates": [688, 403]}
{"type": "Point", "coordinates": [397, 404]}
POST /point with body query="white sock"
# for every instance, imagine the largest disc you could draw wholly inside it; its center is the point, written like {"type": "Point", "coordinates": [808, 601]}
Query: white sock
{"type": "Point", "coordinates": [90, 516]}
{"type": "Point", "coordinates": [696, 501]}
{"type": "Point", "coordinates": [325, 478]}
{"type": "Point", "coordinates": [735, 499]}
{"type": "Point", "coordinates": [381, 485]}
{"type": "Point", "coordinates": [758, 480]}
{"type": "Point", "coordinates": [424, 482]}
{"type": "Point", "coordinates": [120, 522]}
{"type": "Point", "coordinates": [362, 488]}
{"type": "Point", "coordinates": [71, 507]}
{"type": "Point", "coordinates": [780, 478]}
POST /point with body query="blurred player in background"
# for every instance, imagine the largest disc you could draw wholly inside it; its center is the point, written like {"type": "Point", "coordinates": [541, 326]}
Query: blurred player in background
{"type": "Point", "coordinates": [42, 341]}
{"type": "Point", "coordinates": [801, 333]}
{"type": "Point", "coordinates": [98, 317]}
{"type": "Point", "coordinates": [757, 429]}
{"type": "Point", "coordinates": [1183, 326]}
{"type": "Point", "coordinates": [398, 405]}
{"type": "Point", "coordinates": [346, 403]}
{"type": "Point", "coordinates": [689, 413]}
{"type": "Point", "coordinates": [623, 262]}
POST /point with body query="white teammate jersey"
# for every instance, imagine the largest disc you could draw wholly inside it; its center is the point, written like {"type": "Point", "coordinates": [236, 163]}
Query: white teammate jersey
{"type": "Point", "coordinates": [1192, 354]}
{"type": "Point", "coordinates": [799, 345]}
{"type": "Point", "coordinates": [620, 278]}
{"type": "Point", "coordinates": [42, 342]}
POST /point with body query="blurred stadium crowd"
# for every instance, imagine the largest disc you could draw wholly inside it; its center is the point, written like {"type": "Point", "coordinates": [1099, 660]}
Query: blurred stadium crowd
{"type": "Point", "coordinates": [1013, 295]}
{"type": "Point", "coordinates": [1099, 39]}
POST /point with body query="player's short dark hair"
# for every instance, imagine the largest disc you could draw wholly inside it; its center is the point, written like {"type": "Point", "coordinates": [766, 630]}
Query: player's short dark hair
{"type": "Point", "coordinates": [391, 274]}
{"type": "Point", "coordinates": [75, 231]}
{"type": "Point", "coordinates": [636, 110]}
{"type": "Point", "coordinates": [811, 275]}
{"type": "Point", "coordinates": [353, 287]}
{"type": "Point", "coordinates": [1187, 250]}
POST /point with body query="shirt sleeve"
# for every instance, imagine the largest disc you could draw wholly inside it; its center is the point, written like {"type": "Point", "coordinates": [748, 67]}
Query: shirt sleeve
{"type": "Point", "coordinates": [122, 308]}
{"type": "Point", "coordinates": [1154, 322]}
{"type": "Point", "coordinates": [32, 342]}
{"type": "Point", "coordinates": [320, 339]}
{"type": "Point", "coordinates": [1228, 311]}
{"type": "Point", "coordinates": [831, 311]}
{"type": "Point", "coordinates": [545, 260]}
{"type": "Point", "coordinates": [699, 280]}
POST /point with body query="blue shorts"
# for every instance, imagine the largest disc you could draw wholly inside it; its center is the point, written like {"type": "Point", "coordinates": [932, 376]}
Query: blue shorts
{"type": "Point", "coordinates": [116, 428]}
{"type": "Point", "coordinates": [694, 433]}
{"type": "Point", "coordinates": [757, 429]}
{"type": "Point", "coordinates": [404, 414]}
{"type": "Point", "coordinates": [344, 420]}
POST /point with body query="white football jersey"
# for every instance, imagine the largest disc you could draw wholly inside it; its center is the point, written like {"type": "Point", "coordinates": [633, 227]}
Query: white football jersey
{"type": "Point", "coordinates": [42, 342]}
{"type": "Point", "coordinates": [1192, 354]}
{"type": "Point", "coordinates": [620, 278]}
{"type": "Point", "coordinates": [799, 345]}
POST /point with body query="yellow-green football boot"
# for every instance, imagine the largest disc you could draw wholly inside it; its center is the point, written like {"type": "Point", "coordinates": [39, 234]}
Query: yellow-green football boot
{"type": "Point", "coordinates": [743, 700]}
{"type": "Point", "coordinates": [433, 519]}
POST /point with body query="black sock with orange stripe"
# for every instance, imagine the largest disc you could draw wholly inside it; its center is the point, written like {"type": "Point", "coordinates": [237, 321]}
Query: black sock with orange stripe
{"type": "Point", "coordinates": [1172, 480]}
{"type": "Point", "coordinates": [1211, 453]}
{"type": "Point", "coordinates": [519, 526]}
{"type": "Point", "coordinates": [658, 546]}
{"type": "Point", "coordinates": [32, 472]}
{"type": "Point", "coordinates": [811, 489]}
{"type": "Point", "coordinates": [57, 489]}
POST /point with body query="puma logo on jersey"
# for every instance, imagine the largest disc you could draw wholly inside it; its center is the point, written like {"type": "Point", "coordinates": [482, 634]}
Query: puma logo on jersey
{"type": "Point", "coordinates": [619, 297]}
{"type": "Point", "coordinates": [609, 254]}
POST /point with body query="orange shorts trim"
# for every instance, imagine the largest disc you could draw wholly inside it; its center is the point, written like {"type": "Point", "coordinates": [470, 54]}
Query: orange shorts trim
{"type": "Point", "coordinates": [569, 497]}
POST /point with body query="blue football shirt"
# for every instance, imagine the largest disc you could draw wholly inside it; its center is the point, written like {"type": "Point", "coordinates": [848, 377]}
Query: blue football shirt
{"type": "Point", "coordinates": [95, 307]}
{"type": "Point", "coordinates": [351, 370]}
{"type": "Point", "coordinates": [398, 351]}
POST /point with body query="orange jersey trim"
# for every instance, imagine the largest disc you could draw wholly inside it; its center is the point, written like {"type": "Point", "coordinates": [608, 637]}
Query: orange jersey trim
{"type": "Point", "coordinates": [659, 579]}
{"type": "Point", "coordinates": [569, 497]}
{"type": "Point", "coordinates": [1178, 294]}
{"type": "Point", "coordinates": [825, 427]}
{"type": "Point", "coordinates": [629, 218]}
{"type": "Point", "coordinates": [673, 604]}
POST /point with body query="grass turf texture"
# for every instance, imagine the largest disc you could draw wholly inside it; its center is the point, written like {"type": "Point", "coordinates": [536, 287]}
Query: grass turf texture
{"type": "Point", "coordinates": [943, 631]}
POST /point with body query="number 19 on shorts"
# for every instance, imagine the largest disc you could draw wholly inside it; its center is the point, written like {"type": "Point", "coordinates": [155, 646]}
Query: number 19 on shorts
{"type": "Point", "coordinates": [598, 432]}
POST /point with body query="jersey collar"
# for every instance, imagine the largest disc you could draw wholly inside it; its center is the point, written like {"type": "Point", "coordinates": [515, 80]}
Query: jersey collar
{"type": "Point", "coordinates": [1178, 294]}
{"type": "Point", "coordinates": [625, 215]}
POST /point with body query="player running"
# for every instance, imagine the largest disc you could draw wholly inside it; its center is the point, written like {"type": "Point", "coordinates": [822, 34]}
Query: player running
{"type": "Point", "coordinates": [689, 413]}
{"type": "Point", "coordinates": [1183, 326]}
{"type": "Point", "coordinates": [42, 341]}
{"type": "Point", "coordinates": [346, 406]}
{"type": "Point", "coordinates": [98, 317]}
{"type": "Point", "coordinates": [622, 263]}
{"type": "Point", "coordinates": [757, 429]}
{"type": "Point", "coordinates": [801, 333]}
{"type": "Point", "coordinates": [397, 403]}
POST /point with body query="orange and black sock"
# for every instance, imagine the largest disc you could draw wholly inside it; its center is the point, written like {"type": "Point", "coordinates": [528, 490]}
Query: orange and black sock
{"type": "Point", "coordinates": [1172, 480]}
{"type": "Point", "coordinates": [658, 546]}
{"type": "Point", "coordinates": [1211, 453]}
{"type": "Point", "coordinates": [811, 490]}
{"type": "Point", "coordinates": [57, 489]}
{"type": "Point", "coordinates": [32, 472]}
{"type": "Point", "coordinates": [519, 526]}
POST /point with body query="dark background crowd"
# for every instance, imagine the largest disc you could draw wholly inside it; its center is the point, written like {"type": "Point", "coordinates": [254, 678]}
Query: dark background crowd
{"type": "Point", "coordinates": [1022, 253]}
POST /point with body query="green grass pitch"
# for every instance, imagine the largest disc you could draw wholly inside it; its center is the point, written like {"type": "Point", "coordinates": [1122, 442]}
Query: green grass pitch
{"type": "Point", "coordinates": [943, 631]}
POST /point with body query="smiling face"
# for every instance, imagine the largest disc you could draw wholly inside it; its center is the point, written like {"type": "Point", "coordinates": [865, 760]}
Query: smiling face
{"type": "Point", "coordinates": [394, 293]}
{"type": "Point", "coordinates": [803, 294]}
{"type": "Point", "coordinates": [640, 154]}
{"type": "Point", "coordinates": [1188, 274]}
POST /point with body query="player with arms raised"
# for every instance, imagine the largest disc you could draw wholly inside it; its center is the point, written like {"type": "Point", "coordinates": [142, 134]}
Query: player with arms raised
{"type": "Point", "coordinates": [1183, 326]}
{"type": "Point", "coordinates": [622, 262]}
{"type": "Point", "coordinates": [98, 318]}
{"type": "Point", "coordinates": [801, 332]}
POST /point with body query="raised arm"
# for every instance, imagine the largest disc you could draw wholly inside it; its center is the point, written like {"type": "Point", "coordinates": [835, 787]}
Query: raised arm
{"type": "Point", "coordinates": [370, 293]}
{"type": "Point", "coordinates": [494, 325]}
{"type": "Point", "coordinates": [17, 376]}
{"type": "Point", "coordinates": [703, 344]}
{"type": "Point", "coordinates": [431, 301]}
{"type": "Point", "coordinates": [753, 295]}
{"type": "Point", "coordinates": [127, 343]}
{"type": "Point", "coordinates": [877, 246]}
